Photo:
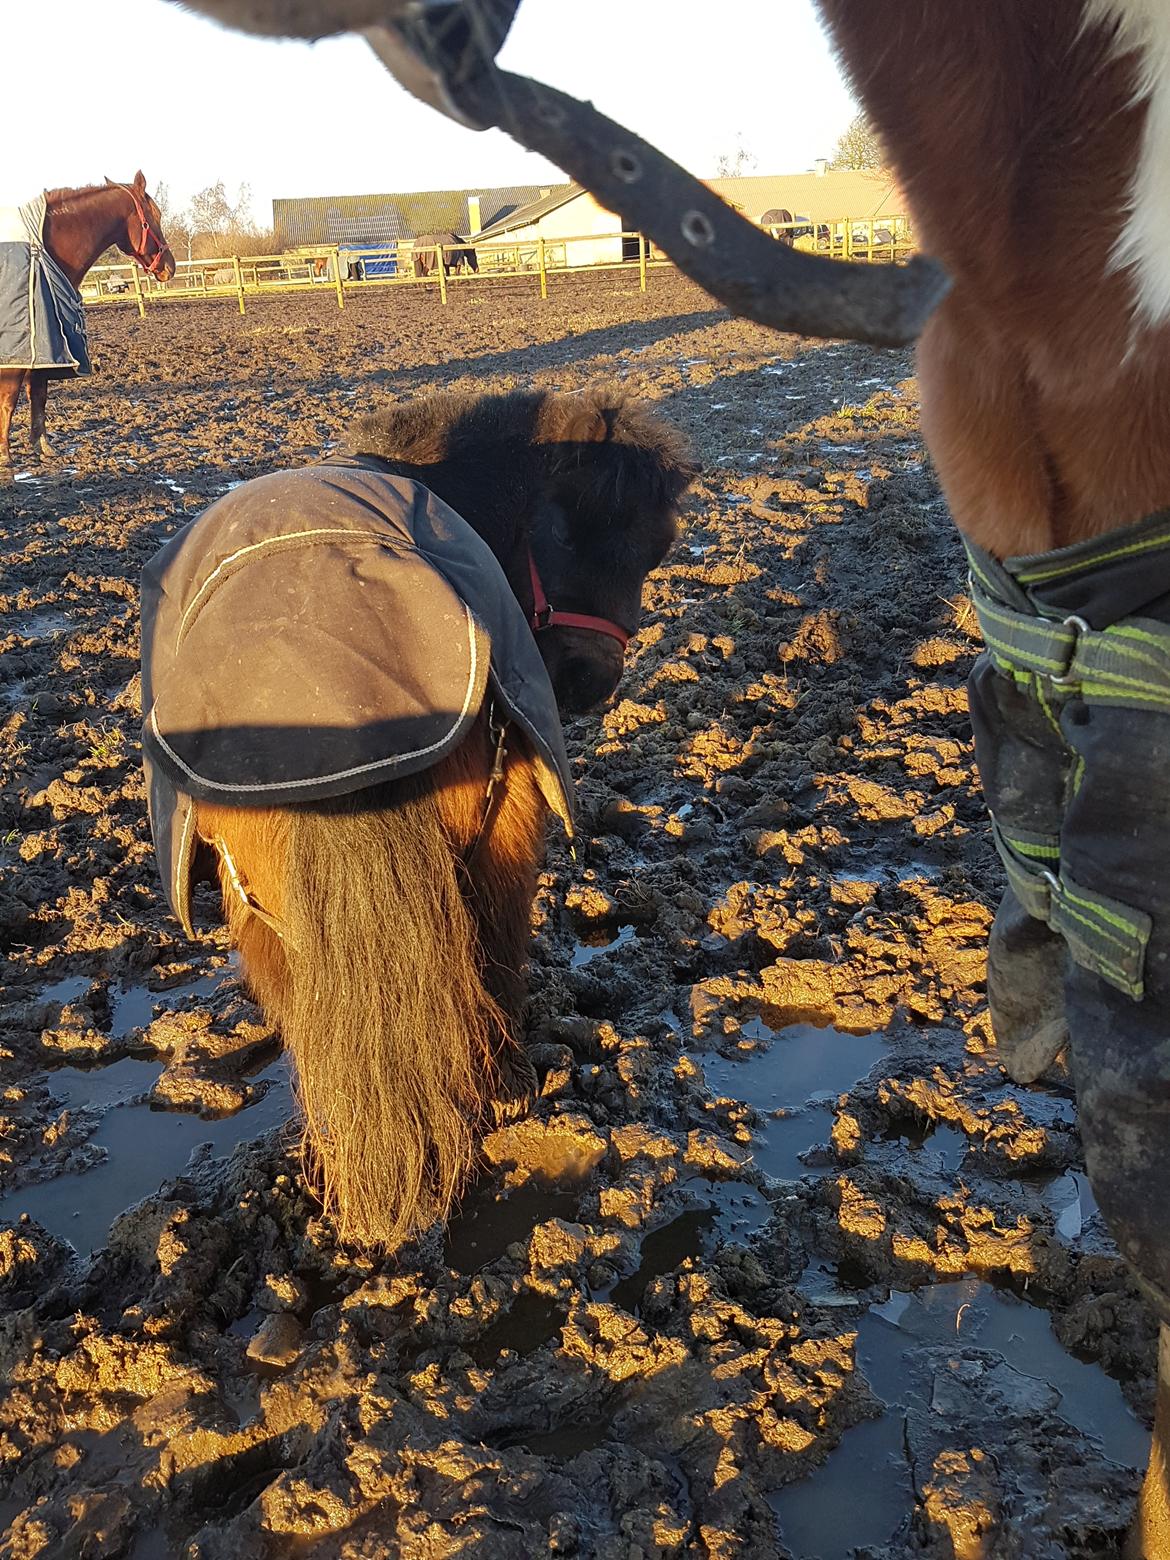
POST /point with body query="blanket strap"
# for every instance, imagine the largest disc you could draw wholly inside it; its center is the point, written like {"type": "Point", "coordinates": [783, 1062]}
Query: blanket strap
{"type": "Point", "coordinates": [1126, 665]}
{"type": "Point", "coordinates": [495, 785]}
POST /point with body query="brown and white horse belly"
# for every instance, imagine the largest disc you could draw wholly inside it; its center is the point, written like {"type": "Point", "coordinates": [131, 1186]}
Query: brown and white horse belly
{"type": "Point", "coordinates": [1034, 144]}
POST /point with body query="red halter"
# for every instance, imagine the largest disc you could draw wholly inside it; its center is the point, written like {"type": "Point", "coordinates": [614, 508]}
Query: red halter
{"type": "Point", "coordinates": [545, 616]}
{"type": "Point", "coordinates": [151, 266]}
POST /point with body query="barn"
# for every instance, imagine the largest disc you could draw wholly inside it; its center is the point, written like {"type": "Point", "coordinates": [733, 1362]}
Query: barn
{"type": "Point", "coordinates": [565, 212]}
{"type": "Point", "coordinates": [823, 195]}
{"type": "Point", "coordinates": [521, 215]}
{"type": "Point", "coordinates": [380, 220]}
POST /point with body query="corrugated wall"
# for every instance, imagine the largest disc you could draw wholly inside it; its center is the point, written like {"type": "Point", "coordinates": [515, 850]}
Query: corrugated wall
{"type": "Point", "coordinates": [380, 219]}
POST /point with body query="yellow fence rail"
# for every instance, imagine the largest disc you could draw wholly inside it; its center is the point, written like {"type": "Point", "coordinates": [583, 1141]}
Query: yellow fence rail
{"type": "Point", "coordinates": [341, 270]}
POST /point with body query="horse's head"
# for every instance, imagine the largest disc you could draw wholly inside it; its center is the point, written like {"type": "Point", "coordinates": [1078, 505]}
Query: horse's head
{"type": "Point", "coordinates": [576, 496]}
{"type": "Point", "coordinates": [614, 476]}
{"type": "Point", "coordinates": [143, 239]}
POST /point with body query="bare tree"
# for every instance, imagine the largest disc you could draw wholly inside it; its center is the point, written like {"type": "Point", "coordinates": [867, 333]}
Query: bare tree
{"type": "Point", "coordinates": [734, 164]}
{"type": "Point", "coordinates": [176, 222]}
{"type": "Point", "coordinates": [219, 225]}
{"type": "Point", "coordinates": [859, 147]}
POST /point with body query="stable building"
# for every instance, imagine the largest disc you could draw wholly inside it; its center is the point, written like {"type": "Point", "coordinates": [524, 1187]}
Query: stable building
{"type": "Point", "coordinates": [565, 213]}
{"type": "Point", "coordinates": [376, 221]}
{"type": "Point", "coordinates": [521, 215]}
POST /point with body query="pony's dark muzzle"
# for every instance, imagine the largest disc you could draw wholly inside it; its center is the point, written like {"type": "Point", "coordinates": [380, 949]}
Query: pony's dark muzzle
{"type": "Point", "coordinates": [583, 667]}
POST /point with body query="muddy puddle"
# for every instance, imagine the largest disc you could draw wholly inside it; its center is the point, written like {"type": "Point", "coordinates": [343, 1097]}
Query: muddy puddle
{"type": "Point", "coordinates": [928, 1355]}
{"type": "Point", "coordinates": [596, 945]}
{"type": "Point", "coordinates": [735, 1211]}
{"type": "Point", "coordinates": [490, 1220]}
{"type": "Point", "coordinates": [790, 1075]}
{"type": "Point", "coordinates": [823, 1518]}
{"type": "Point", "coordinates": [144, 1146]}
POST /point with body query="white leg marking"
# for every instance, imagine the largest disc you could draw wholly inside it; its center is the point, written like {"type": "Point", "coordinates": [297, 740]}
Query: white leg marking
{"type": "Point", "coordinates": [1144, 244]}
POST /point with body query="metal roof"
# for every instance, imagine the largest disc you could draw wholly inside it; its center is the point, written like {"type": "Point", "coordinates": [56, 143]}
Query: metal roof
{"type": "Point", "coordinates": [330, 219]}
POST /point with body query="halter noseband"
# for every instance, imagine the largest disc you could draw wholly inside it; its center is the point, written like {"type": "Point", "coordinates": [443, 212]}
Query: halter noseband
{"type": "Point", "coordinates": [544, 615]}
{"type": "Point", "coordinates": [154, 264]}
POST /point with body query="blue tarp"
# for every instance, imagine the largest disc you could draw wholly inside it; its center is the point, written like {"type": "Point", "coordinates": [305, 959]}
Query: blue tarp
{"type": "Point", "coordinates": [42, 319]}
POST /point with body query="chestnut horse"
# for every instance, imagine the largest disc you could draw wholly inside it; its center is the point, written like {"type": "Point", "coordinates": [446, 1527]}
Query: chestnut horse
{"type": "Point", "coordinates": [79, 226]}
{"type": "Point", "coordinates": [384, 931]}
{"type": "Point", "coordinates": [1033, 142]}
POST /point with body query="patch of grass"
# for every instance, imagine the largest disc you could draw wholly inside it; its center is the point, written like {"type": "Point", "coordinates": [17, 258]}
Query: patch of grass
{"type": "Point", "coordinates": [107, 744]}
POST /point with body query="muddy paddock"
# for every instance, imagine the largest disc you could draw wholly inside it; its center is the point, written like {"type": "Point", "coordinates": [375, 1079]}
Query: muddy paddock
{"type": "Point", "coordinates": [780, 1265]}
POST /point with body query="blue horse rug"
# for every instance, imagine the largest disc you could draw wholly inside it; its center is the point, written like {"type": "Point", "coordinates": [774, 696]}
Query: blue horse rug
{"type": "Point", "coordinates": [42, 319]}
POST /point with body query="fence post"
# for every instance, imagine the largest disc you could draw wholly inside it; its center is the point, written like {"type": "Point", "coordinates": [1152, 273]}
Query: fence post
{"type": "Point", "coordinates": [138, 296]}
{"type": "Point", "coordinates": [337, 277]}
{"type": "Point", "coordinates": [541, 262]}
{"type": "Point", "coordinates": [239, 281]}
{"type": "Point", "coordinates": [642, 261]}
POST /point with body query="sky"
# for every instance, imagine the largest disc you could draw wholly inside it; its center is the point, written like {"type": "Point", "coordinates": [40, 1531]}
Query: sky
{"type": "Point", "coordinates": [95, 89]}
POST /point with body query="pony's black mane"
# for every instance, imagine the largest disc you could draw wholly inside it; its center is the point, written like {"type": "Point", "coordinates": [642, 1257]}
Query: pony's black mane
{"type": "Point", "coordinates": [496, 458]}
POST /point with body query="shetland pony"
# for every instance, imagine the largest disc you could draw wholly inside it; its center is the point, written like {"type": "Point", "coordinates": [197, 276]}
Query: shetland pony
{"type": "Point", "coordinates": [385, 931]}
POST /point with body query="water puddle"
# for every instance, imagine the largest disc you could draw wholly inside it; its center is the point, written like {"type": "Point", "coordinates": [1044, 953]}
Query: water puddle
{"type": "Point", "coordinates": [970, 1313]}
{"type": "Point", "coordinates": [67, 990]}
{"type": "Point", "coordinates": [594, 944]}
{"type": "Point", "coordinates": [567, 1441]}
{"type": "Point", "coordinates": [664, 1250]}
{"type": "Point", "coordinates": [1070, 1197]}
{"type": "Point", "coordinates": [939, 1145]}
{"type": "Point", "coordinates": [145, 1147]}
{"type": "Point", "coordinates": [245, 1326]}
{"type": "Point", "coordinates": [891, 873]}
{"type": "Point", "coordinates": [532, 1320]}
{"type": "Point", "coordinates": [491, 1220]}
{"type": "Point", "coordinates": [791, 1080]}
{"type": "Point", "coordinates": [14, 692]}
{"type": "Point", "coordinates": [822, 1518]}
{"type": "Point", "coordinates": [1028, 1374]}
{"type": "Point", "coordinates": [98, 1088]}
{"type": "Point", "coordinates": [135, 1007]}
{"type": "Point", "coordinates": [45, 623]}
{"type": "Point", "coordinates": [736, 1210]}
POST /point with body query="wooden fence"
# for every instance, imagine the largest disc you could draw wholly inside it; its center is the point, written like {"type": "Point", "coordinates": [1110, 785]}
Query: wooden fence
{"type": "Point", "coordinates": [340, 270]}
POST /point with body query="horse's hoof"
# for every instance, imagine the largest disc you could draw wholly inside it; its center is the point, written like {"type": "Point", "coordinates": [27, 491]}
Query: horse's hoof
{"type": "Point", "coordinates": [7, 476]}
{"type": "Point", "coordinates": [44, 451]}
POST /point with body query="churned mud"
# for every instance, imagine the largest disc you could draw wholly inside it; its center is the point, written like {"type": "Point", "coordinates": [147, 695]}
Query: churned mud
{"type": "Point", "coordinates": [780, 1265]}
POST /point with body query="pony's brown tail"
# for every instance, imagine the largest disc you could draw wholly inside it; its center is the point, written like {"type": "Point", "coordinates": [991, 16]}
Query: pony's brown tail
{"type": "Point", "coordinates": [394, 974]}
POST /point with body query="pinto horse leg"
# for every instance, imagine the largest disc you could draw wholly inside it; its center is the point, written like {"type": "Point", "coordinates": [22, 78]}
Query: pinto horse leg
{"type": "Point", "coordinates": [1149, 1538]}
{"type": "Point", "coordinates": [10, 383]}
{"type": "Point", "coordinates": [38, 395]}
